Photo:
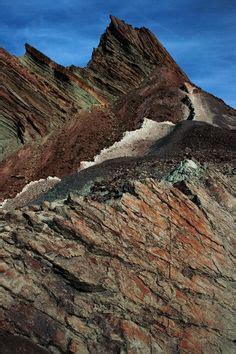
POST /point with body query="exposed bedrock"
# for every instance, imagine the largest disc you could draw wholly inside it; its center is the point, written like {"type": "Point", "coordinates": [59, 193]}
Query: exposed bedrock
{"type": "Point", "coordinates": [148, 272]}
{"type": "Point", "coordinates": [136, 253]}
{"type": "Point", "coordinates": [188, 103]}
{"type": "Point", "coordinates": [207, 108]}
{"type": "Point", "coordinates": [57, 117]}
{"type": "Point", "coordinates": [30, 108]}
{"type": "Point", "coordinates": [124, 58]}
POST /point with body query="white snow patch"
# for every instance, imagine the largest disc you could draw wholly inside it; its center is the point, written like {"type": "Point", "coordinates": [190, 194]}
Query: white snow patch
{"type": "Point", "coordinates": [32, 184]}
{"type": "Point", "coordinates": [30, 191]}
{"type": "Point", "coordinates": [134, 143]}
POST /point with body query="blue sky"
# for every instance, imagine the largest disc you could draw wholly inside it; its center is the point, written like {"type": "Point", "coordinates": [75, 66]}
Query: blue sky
{"type": "Point", "coordinates": [199, 34]}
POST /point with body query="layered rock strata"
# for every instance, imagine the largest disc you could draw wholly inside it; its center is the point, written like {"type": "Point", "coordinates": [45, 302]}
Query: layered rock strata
{"type": "Point", "coordinates": [148, 272]}
{"type": "Point", "coordinates": [55, 117]}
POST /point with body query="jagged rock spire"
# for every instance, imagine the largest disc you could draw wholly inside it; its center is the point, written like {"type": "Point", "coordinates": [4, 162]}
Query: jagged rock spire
{"type": "Point", "coordinates": [125, 57]}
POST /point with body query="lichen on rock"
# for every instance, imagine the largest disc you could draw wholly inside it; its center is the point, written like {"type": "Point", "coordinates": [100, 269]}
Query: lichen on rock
{"type": "Point", "coordinates": [186, 170]}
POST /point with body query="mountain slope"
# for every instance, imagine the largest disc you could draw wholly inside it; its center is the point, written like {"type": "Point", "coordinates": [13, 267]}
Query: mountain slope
{"type": "Point", "coordinates": [56, 116]}
{"type": "Point", "coordinates": [136, 253]}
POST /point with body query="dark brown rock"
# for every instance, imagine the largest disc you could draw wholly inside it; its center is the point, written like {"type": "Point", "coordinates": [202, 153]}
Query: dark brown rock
{"type": "Point", "coordinates": [55, 117]}
{"type": "Point", "coordinates": [125, 57]}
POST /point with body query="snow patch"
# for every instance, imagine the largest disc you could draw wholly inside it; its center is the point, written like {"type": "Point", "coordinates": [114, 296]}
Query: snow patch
{"type": "Point", "coordinates": [30, 191]}
{"type": "Point", "coordinates": [32, 184]}
{"type": "Point", "coordinates": [134, 143]}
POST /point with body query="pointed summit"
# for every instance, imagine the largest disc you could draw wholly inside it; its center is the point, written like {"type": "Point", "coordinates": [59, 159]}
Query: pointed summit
{"type": "Point", "coordinates": [125, 57]}
{"type": "Point", "coordinates": [120, 25]}
{"type": "Point", "coordinates": [115, 21]}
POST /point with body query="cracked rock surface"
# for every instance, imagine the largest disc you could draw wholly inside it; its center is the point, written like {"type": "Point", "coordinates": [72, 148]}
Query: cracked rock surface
{"type": "Point", "coordinates": [148, 272]}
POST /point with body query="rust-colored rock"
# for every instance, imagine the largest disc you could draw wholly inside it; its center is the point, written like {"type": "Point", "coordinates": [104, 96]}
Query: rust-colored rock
{"type": "Point", "coordinates": [133, 255]}
{"type": "Point", "coordinates": [149, 272]}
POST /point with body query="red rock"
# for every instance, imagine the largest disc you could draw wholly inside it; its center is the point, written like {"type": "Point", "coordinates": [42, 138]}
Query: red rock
{"type": "Point", "coordinates": [83, 281]}
{"type": "Point", "coordinates": [133, 264]}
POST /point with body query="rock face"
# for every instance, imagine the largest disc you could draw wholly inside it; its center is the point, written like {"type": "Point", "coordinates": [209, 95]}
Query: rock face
{"type": "Point", "coordinates": [125, 57]}
{"type": "Point", "coordinates": [136, 253]}
{"type": "Point", "coordinates": [50, 114]}
{"type": "Point", "coordinates": [123, 276]}
{"type": "Point", "coordinates": [167, 96]}
{"type": "Point", "coordinates": [57, 75]}
{"type": "Point", "coordinates": [28, 105]}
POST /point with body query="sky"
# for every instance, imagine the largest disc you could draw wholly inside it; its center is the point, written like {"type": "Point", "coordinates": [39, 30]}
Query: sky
{"type": "Point", "coordinates": [199, 34]}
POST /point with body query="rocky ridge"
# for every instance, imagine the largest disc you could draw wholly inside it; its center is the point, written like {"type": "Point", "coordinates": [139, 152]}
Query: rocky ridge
{"type": "Point", "coordinates": [136, 253]}
{"type": "Point", "coordinates": [50, 113]}
{"type": "Point", "coordinates": [125, 57]}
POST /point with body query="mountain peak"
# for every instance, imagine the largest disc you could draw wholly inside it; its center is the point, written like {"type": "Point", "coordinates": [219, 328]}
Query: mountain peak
{"type": "Point", "coordinates": [120, 25]}
{"type": "Point", "coordinates": [125, 57]}
{"type": "Point", "coordinates": [117, 22]}
{"type": "Point", "coordinates": [133, 250]}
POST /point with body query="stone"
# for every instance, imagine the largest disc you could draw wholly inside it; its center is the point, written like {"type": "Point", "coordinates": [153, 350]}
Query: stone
{"type": "Point", "coordinates": [135, 254]}
{"type": "Point", "coordinates": [50, 112]}
{"type": "Point", "coordinates": [151, 272]}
